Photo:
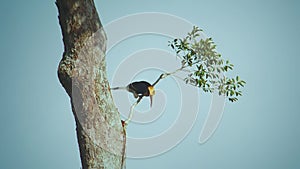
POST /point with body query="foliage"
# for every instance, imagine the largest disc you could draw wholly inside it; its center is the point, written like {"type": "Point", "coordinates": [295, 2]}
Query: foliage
{"type": "Point", "coordinates": [205, 65]}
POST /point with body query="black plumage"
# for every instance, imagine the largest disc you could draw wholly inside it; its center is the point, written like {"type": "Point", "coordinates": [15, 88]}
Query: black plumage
{"type": "Point", "coordinates": [139, 89]}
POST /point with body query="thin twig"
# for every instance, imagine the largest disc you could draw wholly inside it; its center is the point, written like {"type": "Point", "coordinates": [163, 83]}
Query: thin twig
{"type": "Point", "coordinates": [162, 76]}
{"type": "Point", "coordinates": [132, 110]}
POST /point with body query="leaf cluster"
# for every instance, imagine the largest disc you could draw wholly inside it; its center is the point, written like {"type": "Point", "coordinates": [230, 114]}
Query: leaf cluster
{"type": "Point", "coordinates": [205, 65]}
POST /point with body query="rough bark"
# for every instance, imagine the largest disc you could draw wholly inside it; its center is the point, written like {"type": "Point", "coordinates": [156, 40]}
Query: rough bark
{"type": "Point", "coordinates": [82, 72]}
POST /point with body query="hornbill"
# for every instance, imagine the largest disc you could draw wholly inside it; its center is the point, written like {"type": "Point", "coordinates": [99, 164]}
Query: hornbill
{"type": "Point", "coordinates": [139, 90]}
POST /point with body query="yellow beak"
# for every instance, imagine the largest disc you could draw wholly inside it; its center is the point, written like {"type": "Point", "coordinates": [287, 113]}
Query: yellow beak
{"type": "Point", "coordinates": [151, 93]}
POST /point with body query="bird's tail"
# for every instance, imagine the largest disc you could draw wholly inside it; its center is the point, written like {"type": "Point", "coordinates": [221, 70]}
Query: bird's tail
{"type": "Point", "coordinates": [118, 88]}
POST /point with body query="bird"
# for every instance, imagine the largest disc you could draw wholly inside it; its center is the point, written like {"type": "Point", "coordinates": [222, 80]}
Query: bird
{"type": "Point", "coordinates": [139, 90]}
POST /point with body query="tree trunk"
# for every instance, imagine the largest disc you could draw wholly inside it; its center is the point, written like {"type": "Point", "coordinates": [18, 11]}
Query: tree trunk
{"type": "Point", "coordinates": [82, 72]}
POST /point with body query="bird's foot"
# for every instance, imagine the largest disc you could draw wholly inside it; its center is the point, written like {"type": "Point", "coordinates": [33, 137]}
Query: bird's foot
{"type": "Point", "coordinates": [124, 123]}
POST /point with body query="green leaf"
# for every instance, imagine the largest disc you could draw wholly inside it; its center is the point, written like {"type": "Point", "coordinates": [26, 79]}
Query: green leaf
{"type": "Point", "coordinates": [201, 54]}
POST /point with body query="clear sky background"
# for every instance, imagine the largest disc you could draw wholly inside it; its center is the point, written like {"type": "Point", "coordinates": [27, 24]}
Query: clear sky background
{"type": "Point", "coordinates": [260, 131]}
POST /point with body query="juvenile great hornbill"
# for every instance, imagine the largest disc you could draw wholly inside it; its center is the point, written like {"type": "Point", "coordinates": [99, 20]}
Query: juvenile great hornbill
{"type": "Point", "coordinates": [139, 89]}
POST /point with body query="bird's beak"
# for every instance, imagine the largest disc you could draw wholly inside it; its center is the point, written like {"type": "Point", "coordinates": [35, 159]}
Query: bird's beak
{"type": "Point", "coordinates": [151, 93]}
{"type": "Point", "coordinates": [151, 96]}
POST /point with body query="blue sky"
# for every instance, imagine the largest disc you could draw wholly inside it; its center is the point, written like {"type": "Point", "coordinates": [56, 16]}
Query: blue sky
{"type": "Point", "coordinates": [260, 131]}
